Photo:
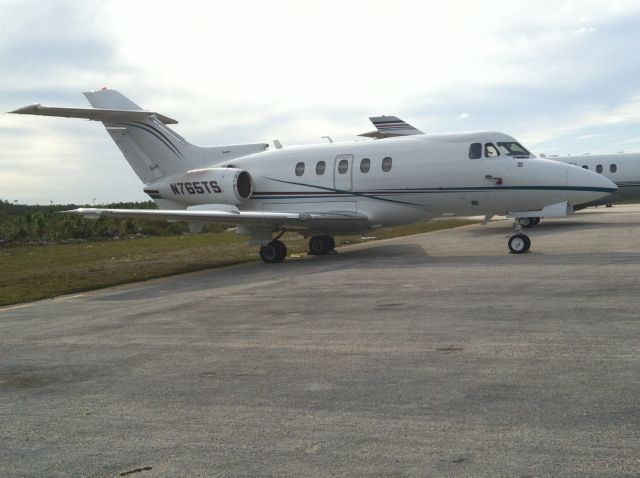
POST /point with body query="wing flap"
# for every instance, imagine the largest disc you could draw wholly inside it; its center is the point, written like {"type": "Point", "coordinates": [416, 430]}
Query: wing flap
{"type": "Point", "coordinates": [95, 114]}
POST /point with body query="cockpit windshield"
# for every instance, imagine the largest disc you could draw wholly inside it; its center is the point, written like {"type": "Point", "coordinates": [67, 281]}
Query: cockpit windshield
{"type": "Point", "coordinates": [513, 149]}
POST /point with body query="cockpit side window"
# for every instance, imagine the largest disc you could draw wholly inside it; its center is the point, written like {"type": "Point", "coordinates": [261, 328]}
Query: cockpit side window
{"type": "Point", "coordinates": [475, 151]}
{"type": "Point", "coordinates": [511, 148]}
{"type": "Point", "coordinates": [490, 151]}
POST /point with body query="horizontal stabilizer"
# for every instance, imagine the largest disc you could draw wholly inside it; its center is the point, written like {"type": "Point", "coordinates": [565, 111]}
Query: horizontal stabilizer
{"type": "Point", "coordinates": [255, 218]}
{"type": "Point", "coordinates": [390, 126]}
{"type": "Point", "coordinates": [95, 114]}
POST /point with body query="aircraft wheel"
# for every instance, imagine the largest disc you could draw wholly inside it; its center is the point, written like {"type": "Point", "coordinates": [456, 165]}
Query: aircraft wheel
{"type": "Point", "coordinates": [320, 245]}
{"type": "Point", "coordinates": [519, 243]}
{"type": "Point", "coordinates": [536, 220]}
{"type": "Point", "coordinates": [282, 249]}
{"type": "Point", "coordinates": [273, 252]}
{"type": "Point", "coordinates": [526, 221]}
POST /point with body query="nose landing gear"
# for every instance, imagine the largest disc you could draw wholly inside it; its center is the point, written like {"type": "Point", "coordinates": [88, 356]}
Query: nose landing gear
{"type": "Point", "coordinates": [519, 243]}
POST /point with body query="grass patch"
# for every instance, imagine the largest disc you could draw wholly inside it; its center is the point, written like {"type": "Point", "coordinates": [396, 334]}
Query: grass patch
{"type": "Point", "coordinates": [30, 273]}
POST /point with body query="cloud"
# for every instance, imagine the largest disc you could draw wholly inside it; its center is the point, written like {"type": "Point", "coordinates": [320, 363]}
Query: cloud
{"type": "Point", "coordinates": [547, 73]}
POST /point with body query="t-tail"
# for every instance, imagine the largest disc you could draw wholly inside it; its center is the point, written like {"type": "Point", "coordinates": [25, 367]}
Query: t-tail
{"type": "Point", "coordinates": [151, 148]}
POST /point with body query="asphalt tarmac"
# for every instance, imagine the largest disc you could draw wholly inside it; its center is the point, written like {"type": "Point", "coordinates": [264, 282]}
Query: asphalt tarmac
{"type": "Point", "coordinates": [438, 354]}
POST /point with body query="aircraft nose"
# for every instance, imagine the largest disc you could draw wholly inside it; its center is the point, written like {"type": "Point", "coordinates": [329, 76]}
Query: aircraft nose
{"type": "Point", "coordinates": [592, 185]}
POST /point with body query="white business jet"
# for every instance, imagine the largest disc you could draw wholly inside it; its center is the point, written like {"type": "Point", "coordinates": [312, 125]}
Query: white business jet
{"type": "Point", "coordinates": [621, 168]}
{"type": "Point", "coordinates": [325, 189]}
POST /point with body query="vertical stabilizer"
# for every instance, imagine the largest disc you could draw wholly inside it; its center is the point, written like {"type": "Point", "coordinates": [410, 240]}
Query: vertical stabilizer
{"type": "Point", "coordinates": [151, 148]}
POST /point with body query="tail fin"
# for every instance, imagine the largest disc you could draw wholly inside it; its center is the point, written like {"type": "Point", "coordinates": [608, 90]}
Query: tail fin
{"type": "Point", "coordinates": [151, 148]}
{"type": "Point", "coordinates": [390, 126]}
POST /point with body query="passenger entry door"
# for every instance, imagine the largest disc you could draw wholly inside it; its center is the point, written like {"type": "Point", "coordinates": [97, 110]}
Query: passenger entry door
{"type": "Point", "coordinates": [343, 172]}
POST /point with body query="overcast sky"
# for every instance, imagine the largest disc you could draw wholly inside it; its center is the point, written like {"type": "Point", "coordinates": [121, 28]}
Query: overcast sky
{"type": "Point", "coordinates": [561, 76]}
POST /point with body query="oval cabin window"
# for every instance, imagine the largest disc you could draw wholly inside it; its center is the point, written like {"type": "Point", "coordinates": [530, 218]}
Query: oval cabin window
{"type": "Point", "coordinates": [343, 166]}
{"type": "Point", "coordinates": [365, 165]}
{"type": "Point", "coordinates": [320, 167]}
{"type": "Point", "coordinates": [299, 169]}
{"type": "Point", "coordinates": [386, 164]}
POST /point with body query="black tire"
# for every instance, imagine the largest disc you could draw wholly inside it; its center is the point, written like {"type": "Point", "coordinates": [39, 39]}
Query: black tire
{"type": "Point", "coordinates": [282, 249]}
{"type": "Point", "coordinates": [316, 246]}
{"type": "Point", "coordinates": [320, 245]}
{"type": "Point", "coordinates": [519, 243]}
{"type": "Point", "coordinates": [273, 252]}
{"type": "Point", "coordinates": [536, 220]}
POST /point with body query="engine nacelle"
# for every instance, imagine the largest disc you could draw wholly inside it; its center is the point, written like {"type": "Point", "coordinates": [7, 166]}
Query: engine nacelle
{"type": "Point", "coordinates": [208, 186]}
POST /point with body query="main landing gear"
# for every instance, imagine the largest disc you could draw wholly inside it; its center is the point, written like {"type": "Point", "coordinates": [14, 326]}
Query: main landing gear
{"type": "Point", "coordinates": [321, 245]}
{"type": "Point", "coordinates": [275, 251]}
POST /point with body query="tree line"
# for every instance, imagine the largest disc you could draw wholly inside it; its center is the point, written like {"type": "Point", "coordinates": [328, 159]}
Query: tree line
{"type": "Point", "coordinates": [24, 224]}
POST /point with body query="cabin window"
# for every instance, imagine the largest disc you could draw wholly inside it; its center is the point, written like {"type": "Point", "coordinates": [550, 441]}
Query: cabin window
{"type": "Point", "coordinates": [386, 164]}
{"type": "Point", "coordinates": [584, 166]}
{"type": "Point", "coordinates": [343, 166]}
{"type": "Point", "coordinates": [613, 168]}
{"type": "Point", "coordinates": [490, 151]}
{"type": "Point", "coordinates": [475, 151]}
{"type": "Point", "coordinates": [599, 168]}
{"type": "Point", "coordinates": [320, 167]}
{"type": "Point", "coordinates": [365, 165]}
{"type": "Point", "coordinates": [299, 169]}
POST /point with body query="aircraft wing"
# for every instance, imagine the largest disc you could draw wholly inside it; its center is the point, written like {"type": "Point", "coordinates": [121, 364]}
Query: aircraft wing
{"type": "Point", "coordinates": [390, 126]}
{"type": "Point", "coordinates": [96, 114]}
{"type": "Point", "coordinates": [290, 220]}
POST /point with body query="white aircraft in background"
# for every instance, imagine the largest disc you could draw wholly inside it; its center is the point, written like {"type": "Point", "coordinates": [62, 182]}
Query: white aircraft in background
{"type": "Point", "coordinates": [621, 168]}
{"type": "Point", "coordinates": [324, 189]}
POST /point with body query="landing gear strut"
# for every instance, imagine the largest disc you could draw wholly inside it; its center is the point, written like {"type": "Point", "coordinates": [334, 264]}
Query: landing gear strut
{"type": "Point", "coordinates": [320, 245]}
